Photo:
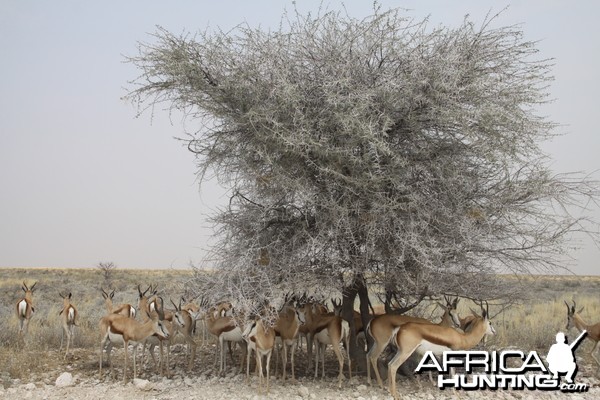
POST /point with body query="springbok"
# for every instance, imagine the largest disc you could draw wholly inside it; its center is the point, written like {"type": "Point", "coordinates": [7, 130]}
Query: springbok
{"type": "Point", "coordinates": [124, 309]}
{"type": "Point", "coordinates": [289, 320]}
{"type": "Point", "coordinates": [68, 318]}
{"type": "Point", "coordinates": [328, 329]}
{"type": "Point", "coordinates": [261, 340]}
{"type": "Point", "coordinates": [382, 327]}
{"type": "Point", "coordinates": [593, 331]}
{"type": "Point", "coordinates": [118, 329]}
{"type": "Point", "coordinates": [184, 324]}
{"type": "Point", "coordinates": [226, 329]}
{"type": "Point", "coordinates": [24, 308]}
{"type": "Point", "coordinates": [420, 337]}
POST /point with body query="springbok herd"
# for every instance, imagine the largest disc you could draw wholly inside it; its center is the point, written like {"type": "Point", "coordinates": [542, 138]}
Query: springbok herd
{"type": "Point", "coordinates": [151, 324]}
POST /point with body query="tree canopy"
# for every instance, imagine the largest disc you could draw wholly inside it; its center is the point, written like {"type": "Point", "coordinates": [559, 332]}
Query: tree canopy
{"type": "Point", "coordinates": [379, 148]}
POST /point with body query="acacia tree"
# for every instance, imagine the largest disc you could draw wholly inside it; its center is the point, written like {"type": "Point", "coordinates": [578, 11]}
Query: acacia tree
{"type": "Point", "coordinates": [378, 152]}
{"type": "Point", "coordinates": [107, 269]}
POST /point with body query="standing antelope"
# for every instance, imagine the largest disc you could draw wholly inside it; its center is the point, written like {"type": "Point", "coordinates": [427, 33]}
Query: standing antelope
{"type": "Point", "coordinates": [184, 324]}
{"type": "Point", "coordinates": [421, 337]}
{"type": "Point", "coordinates": [358, 324]}
{"type": "Point", "coordinates": [226, 329]}
{"type": "Point", "coordinates": [68, 319]}
{"type": "Point", "coordinates": [328, 329]}
{"type": "Point", "coordinates": [126, 310]}
{"type": "Point", "coordinates": [593, 331]}
{"type": "Point", "coordinates": [25, 310]}
{"type": "Point", "coordinates": [261, 340]}
{"type": "Point", "coordinates": [288, 323]}
{"type": "Point", "coordinates": [194, 310]}
{"type": "Point", "coordinates": [312, 311]}
{"type": "Point", "coordinates": [118, 329]}
{"type": "Point", "coordinates": [382, 328]}
{"type": "Point", "coordinates": [156, 339]}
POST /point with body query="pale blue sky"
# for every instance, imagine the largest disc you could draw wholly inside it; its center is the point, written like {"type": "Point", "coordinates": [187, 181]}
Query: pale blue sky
{"type": "Point", "coordinates": [83, 181]}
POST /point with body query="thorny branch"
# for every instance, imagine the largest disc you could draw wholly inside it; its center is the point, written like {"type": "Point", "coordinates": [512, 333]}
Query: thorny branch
{"type": "Point", "coordinates": [381, 146]}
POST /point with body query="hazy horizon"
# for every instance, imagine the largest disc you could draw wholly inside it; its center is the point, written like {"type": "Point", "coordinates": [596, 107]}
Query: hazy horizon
{"type": "Point", "coordinates": [84, 181]}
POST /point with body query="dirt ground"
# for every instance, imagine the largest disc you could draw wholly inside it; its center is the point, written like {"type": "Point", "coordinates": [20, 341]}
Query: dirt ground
{"type": "Point", "coordinates": [204, 383]}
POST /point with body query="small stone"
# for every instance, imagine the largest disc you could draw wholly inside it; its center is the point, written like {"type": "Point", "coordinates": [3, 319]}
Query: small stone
{"type": "Point", "coordinates": [143, 384]}
{"type": "Point", "coordinates": [30, 386]}
{"type": "Point", "coordinates": [362, 388]}
{"type": "Point", "coordinates": [303, 391]}
{"type": "Point", "coordinates": [65, 379]}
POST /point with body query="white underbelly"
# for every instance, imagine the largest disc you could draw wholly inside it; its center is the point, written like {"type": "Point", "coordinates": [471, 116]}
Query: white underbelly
{"type": "Point", "coordinates": [234, 335]}
{"type": "Point", "coordinates": [115, 337]}
{"type": "Point", "coordinates": [323, 337]}
{"type": "Point", "coordinates": [434, 348]}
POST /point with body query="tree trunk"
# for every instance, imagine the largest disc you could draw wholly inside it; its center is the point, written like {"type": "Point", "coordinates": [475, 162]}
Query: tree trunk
{"type": "Point", "coordinates": [358, 287]}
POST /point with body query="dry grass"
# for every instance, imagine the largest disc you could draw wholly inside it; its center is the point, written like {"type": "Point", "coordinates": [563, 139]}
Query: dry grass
{"type": "Point", "coordinates": [43, 341]}
{"type": "Point", "coordinates": [529, 326]}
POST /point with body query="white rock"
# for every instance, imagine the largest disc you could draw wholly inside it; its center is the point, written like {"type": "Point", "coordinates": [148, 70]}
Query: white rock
{"type": "Point", "coordinates": [30, 386]}
{"type": "Point", "coordinates": [303, 391]}
{"type": "Point", "coordinates": [143, 384]}
{"type": "Point", "coordinates": [65, 379]}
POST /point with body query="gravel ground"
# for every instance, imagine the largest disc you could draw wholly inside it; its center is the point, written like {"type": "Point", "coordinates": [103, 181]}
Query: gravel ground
{"type": "Point", "coordinates": [79, 375]}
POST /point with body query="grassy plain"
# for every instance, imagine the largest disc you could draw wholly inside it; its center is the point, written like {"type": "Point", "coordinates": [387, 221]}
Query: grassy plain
{"type": "Point", "coordinates": [532, 325]}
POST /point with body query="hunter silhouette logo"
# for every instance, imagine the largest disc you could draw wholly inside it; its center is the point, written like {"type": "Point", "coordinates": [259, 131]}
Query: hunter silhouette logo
{"type": "Point", "coordinates": [496, 369]}
{"type": "Point", "coordinates": [561, 358]}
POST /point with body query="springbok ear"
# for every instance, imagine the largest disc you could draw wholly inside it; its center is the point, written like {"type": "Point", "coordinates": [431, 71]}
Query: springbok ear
{"type": "Point", "coordinates": [31, 288]}
{"type": "Point", "coordinates": [441, 305]}
{"type": "Point", "coordinates": [580, 310]}
{"type": "Point", "coordinates": [112, 294]}
{"type": "Point", "coordinates": [456, 300]}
